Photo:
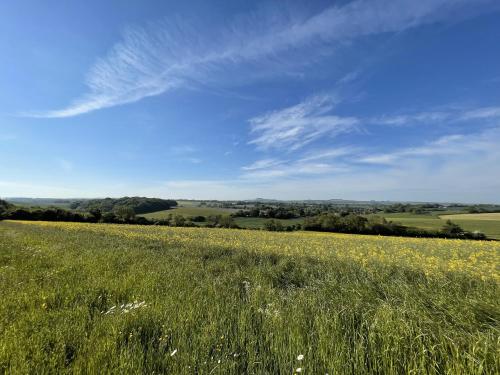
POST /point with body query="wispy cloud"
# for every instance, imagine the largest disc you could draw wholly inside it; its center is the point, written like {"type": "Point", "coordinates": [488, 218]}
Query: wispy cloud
{"type": "Point", "coordinates": [405, 119]}
{"type": "Point", "coordinates": [332, 153]}
{"type": "Point", "coordinates": [261, 164]}
{"type": "Point", "coordinates": [433, 117]}
{"type": "Point", "coordinates": [294, 127]}
{"type": "Point", "coordinates": [481, 113]}
{"type": "Point", "coordinates": [163, 56]}
{"type": "Point", "coordinates": [448, 146]}
{"type": "Point", "coordinates": [296, 168]}
{"type": "Point", "coordinates": [469, 172]}
{"type": "Point", "coordinates": [307, 165]}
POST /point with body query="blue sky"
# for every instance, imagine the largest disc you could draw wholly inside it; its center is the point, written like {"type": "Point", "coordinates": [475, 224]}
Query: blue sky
{"type": "Point", "coordinates": [378, 99]}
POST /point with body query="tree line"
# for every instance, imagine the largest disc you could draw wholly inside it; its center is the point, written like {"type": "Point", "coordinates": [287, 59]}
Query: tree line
{"type": "Point", "coordinates": [139, 205]}
{"type": "Point", "coordinates": [380, 226]}
{"type": "Point", "coordinates": [324, 222]}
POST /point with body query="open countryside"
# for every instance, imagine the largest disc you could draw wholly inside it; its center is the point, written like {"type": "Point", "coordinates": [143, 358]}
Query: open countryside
{"type": "Point", "coordinates": [245, 187]}
{"type": "Point", "coordinates": [488, 223]}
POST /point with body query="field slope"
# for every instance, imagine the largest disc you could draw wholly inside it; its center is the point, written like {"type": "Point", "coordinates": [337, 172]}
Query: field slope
{"type": "Point", "coordinates": [102, 298]}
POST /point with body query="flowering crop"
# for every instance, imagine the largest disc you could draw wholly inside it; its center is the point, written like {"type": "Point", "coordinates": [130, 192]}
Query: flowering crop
{"type": "Point", "coordinates": [432, 256]}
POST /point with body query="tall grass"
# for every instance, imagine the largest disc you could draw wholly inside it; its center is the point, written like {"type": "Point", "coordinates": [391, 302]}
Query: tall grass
{"type": "Point", "coordinates": [233, 302]}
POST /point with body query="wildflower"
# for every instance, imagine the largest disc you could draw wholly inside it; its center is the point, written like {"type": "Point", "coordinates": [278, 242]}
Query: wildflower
{"type": "Point", "coordinates": [300, 357]}
{"type": "Point", "coordinates": [299, 369]}
{"type": "Point", "coordinates": [173, 353]}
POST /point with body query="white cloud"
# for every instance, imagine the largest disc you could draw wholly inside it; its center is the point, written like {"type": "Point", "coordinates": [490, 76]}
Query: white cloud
{"type": "Point", "coordinates": [405, 119]}
{"type": "Point", "coordinates": [433, 117]}
{"type": "Point", "coordinates": [271, 168]}
{"type": "Point", "coordinates": [468, 172]}
{"type": "Point", "coordinates": [449, 146]}
{"type": "Point", "coordinates": [261, 164]}
{"type": "Point", "coordinates": [482, 113]}
{"type": "Point", "coordinates": [294, 127]}
{"type": "Point", "coordinates": [333, 153]}
{"type": "Point", "coordinates": [154, 59]}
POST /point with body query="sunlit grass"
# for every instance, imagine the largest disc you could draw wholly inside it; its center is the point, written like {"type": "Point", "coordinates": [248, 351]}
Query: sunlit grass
{"type": "Point", "coordinates": [117, 298]}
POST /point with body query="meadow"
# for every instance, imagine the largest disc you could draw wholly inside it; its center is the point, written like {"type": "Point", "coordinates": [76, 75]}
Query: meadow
{"type": "Point", "coordinates": [105, 298]}
{"type": "Point", "coordinates": [189, 210]}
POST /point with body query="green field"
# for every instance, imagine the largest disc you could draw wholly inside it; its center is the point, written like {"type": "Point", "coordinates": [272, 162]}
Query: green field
{"type": "Point", "coordinates": [258, 222]}
{"type": "Point", "coordinates": [192, 208]}
{"type": "Point", "coordinates": [494, 216]}
{"type": "Point", "coordinates": [188, 211]}
{"type": "Point", "coordinates": [104, 298]}
{"type": "Point", "coordinates": [489, 225]}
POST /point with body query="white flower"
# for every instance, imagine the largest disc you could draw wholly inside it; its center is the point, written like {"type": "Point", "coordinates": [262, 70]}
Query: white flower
{"type": "Point", "coordinates": [173, 353]}
{"type": "Point", "coordinates": [299, 369]}
{"type": "Point", "coordinates": [300, 357]}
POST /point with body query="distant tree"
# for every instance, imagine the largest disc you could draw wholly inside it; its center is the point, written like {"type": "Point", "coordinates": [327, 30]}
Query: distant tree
{"type": "Point", "coordinates": [452, 229]}
{"type": "Point", "coordinates": [109, 217]}
{"type": "Point", "coordinates": [4, 207]}
{"type": "Point", "coordinates": [125, 213]}
{"type": "Point", "coordinates": [95, 215]}
{"type": "Point", "coordinates": [178, 221]}
{"type": "Point", "coordinates": [273, 225]}
{"type": "Point", "coordinates": [198, 219]}
{"type": "Point", "coordinates": [140, 205]}
{"type": "Point", "coordinates": [226, 222]}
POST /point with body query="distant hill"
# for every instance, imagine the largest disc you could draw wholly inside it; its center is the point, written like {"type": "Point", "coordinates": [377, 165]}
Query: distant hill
{"type": "Point", "coordinates": [140, 205]}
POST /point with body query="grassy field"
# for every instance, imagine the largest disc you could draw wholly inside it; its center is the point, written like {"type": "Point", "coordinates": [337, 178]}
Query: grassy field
{"type": "Point", "coordinates": [258, 222]}
{"type": "Point", "coordinates": [102, 298]}
{"type": "Point", "coordinates": [494, 216]}
{"type": "Point", "coordinates": [489, 224]}
{"type": "Point", "coordinates": [188, 211]}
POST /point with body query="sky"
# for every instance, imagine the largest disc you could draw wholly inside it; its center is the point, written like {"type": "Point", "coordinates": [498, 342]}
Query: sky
{"type": "Point", "coordinates": [363, 99]}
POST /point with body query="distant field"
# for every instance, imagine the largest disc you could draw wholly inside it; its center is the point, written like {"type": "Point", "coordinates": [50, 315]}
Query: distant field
{"type": "Point", "coordinates": [125, 299]}
{"type": "Point", "coordinates": [489, 224]}
{"type": "Point", "coordinates": [495, 216]}
{"type": "Point", "coordinates": [188, 211]}
{"type": "Point", "coordinates": [258, 222]}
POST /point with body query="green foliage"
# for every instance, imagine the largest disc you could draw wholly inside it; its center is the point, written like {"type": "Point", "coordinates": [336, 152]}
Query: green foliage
{"type": "Point", "coordinates": [4, 207]}
{"type": "Point", "coordinates": [221, 221]}
{"type": "Point", "coordinates": [125, 213]}
{"type": "Point", "coordinates": [452, 229]}
{"type": "Point", "coordinates": [273, 226]}
{"type": "Point", "coordinates": [351, 223]}
{"type": "Point", "coordinates": [139, 205]}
